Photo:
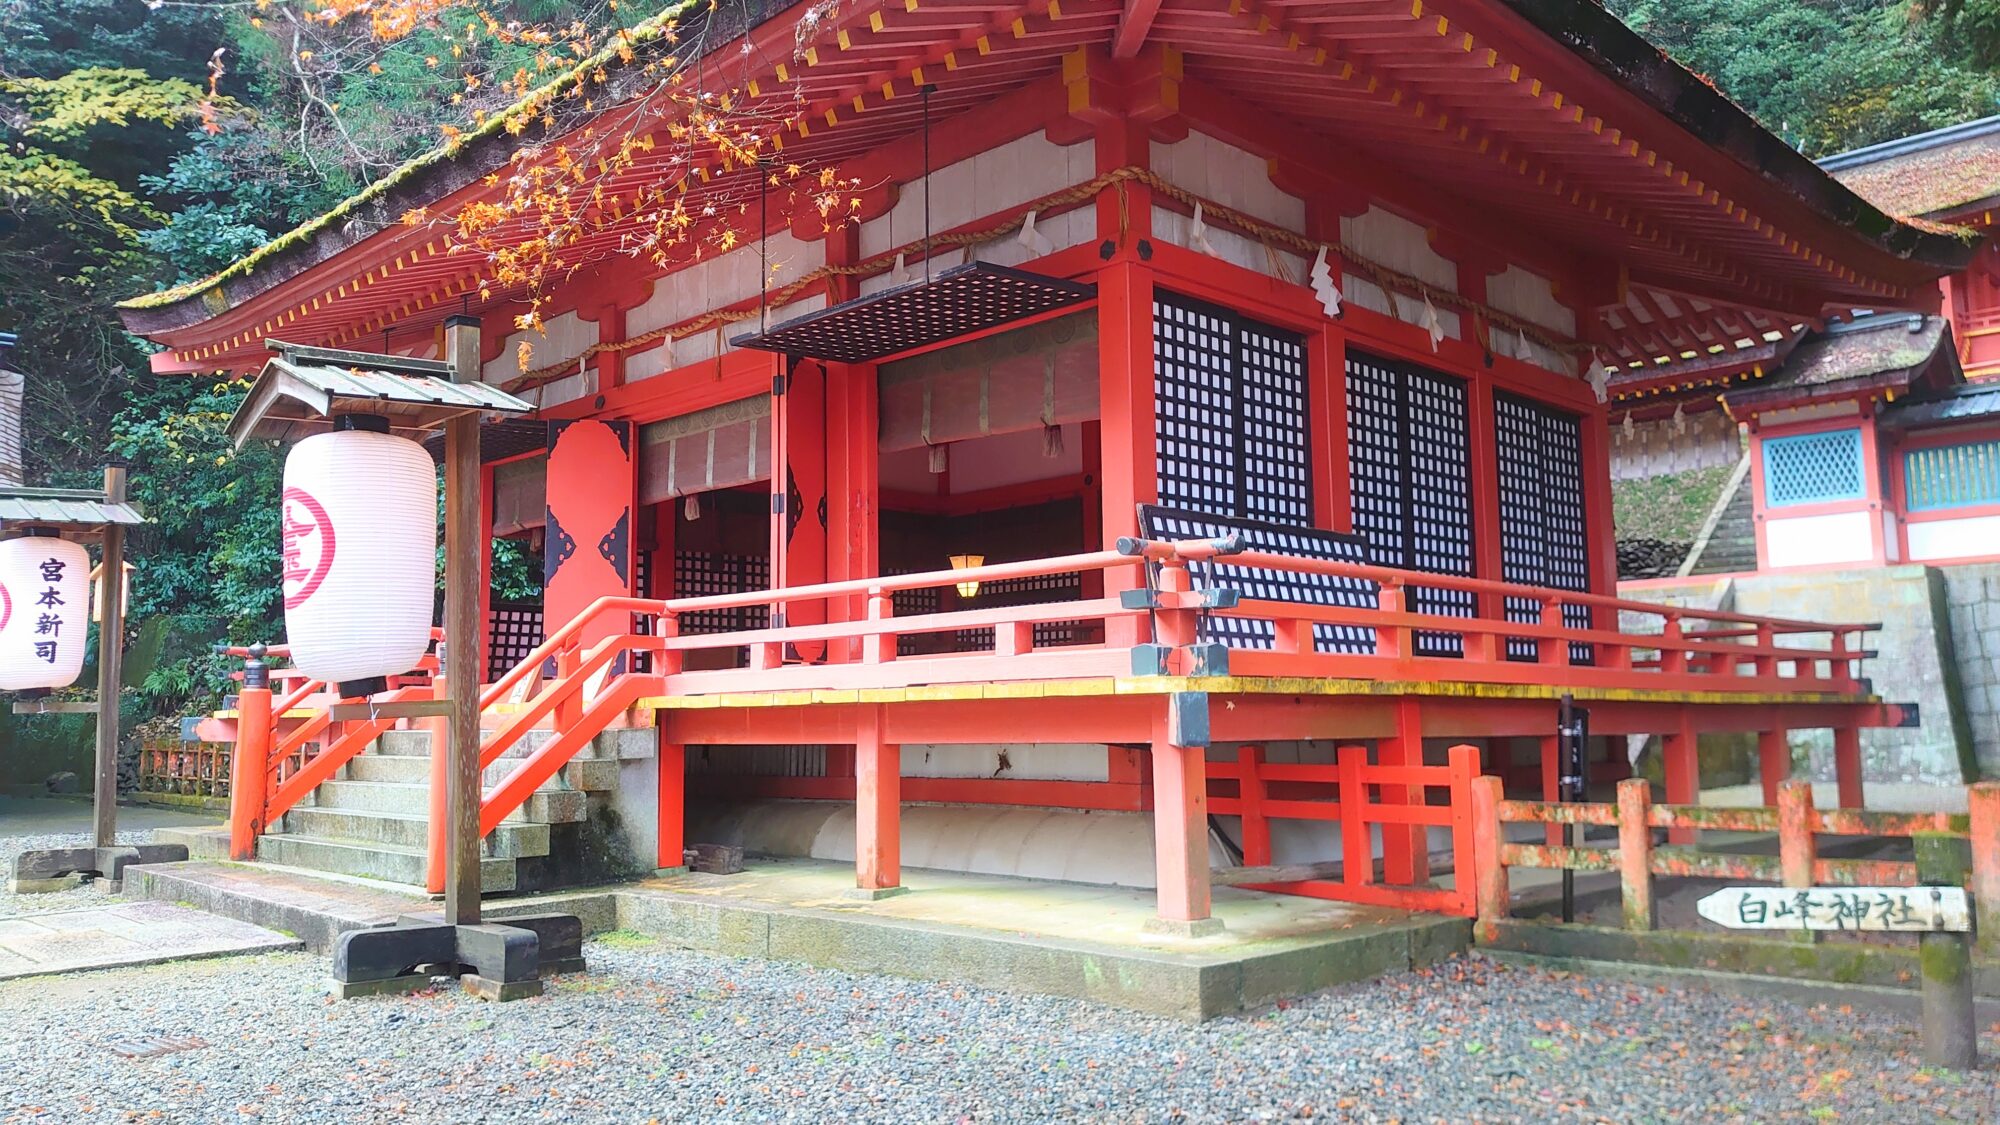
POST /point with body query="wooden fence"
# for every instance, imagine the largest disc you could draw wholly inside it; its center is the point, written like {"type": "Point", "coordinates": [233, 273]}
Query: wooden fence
{"type": "Point", "coordinates": [1798, 824]}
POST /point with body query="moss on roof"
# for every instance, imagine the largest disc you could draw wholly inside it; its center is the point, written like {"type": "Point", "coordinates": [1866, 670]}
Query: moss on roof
{"type": "Point", "coordinates": [644, 32]}
{"type": "Point", "coordinates": [1929, 181]}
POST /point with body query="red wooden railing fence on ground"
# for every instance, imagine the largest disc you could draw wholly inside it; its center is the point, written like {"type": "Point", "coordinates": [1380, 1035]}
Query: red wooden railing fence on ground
{"type": "Point", "coordinates": [1259, 792]}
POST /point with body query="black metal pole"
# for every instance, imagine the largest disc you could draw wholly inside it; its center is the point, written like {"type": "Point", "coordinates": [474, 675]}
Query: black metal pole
{"type": "Point", "coordinates": [1572, 736]}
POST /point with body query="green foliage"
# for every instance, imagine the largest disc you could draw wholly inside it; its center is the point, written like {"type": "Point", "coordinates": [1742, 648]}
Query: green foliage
{"type": "Point", "coordinates": [208, 561]}
{"type": "Point", "coordinates": [1827, 75]}
{"type": "Point", "coordinates": [63, 108]}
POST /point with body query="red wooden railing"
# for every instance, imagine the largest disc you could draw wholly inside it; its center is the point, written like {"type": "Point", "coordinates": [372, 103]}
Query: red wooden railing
{"type": "Point", "coordinates": [1728, 652]}
{"type": "Point", "coordinates": [1260, 792]}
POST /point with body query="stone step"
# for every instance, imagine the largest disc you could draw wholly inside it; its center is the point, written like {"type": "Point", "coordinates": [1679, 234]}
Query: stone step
{"type": "Point", "coordinates": [544, 806]}
{"type": "Point", "coordinates": [371, 861]}
{"type": "Point", "coordinates": [511, 840]}
{"type": "Point", "coordinates": [588, 774]}
{"type": "Point", "coordinates": [621, 744]}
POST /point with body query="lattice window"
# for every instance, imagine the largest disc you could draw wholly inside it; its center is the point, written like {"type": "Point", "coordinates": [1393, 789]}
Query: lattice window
{"type": "Point", "coordinates": [515, 631]}
{"type": "Point", "coordinates": [1230, 409]}
{"type": "Point", "coordinates": [1037, 590]}
{"type": "Point", "coordinates": [1943, 477]}
{"type": "Point", "coordinates": [642, 623]}
{"type": "Point", "coordinates": [1260, 584]}
{"type": "Point", "coordinates": [1543, 538]}
{"type": "Point", "coordinates": [1820, 468]}
{"type": "Point", "coordinates": [1409, 473]}
{"type": "Point", "coordinates": [702, 573]}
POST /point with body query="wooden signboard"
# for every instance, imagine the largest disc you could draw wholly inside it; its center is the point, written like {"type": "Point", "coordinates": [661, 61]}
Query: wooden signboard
{"type": "Point", "coordinates": [1915, 909]}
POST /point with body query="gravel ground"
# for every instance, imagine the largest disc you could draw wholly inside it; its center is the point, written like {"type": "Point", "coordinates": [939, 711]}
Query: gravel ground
{"type": "Point", "coordinates": [653, 1033]}
{"type": "Point", "coordinates": [80, 897]}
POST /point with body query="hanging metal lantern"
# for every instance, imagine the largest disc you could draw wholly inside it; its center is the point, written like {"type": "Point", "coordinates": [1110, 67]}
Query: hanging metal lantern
{"type": "Point", "coordinates": [359, 552]}
{"type": "Point", "coordinates": [44, 612]}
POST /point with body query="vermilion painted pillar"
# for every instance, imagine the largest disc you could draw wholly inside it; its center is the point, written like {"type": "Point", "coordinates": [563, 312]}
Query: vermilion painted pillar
{"type": "Point", "coordinates": [878, 801]}
{"type": "Point", "coordinates": [1127, 442]}
{"type": "Point", "coordinates": [799, 539]}
{"type": "Point", "coordinates": [1681, 762]}
{"type": "Point", "coordinates": [1180, 829]}
{"type": "Point", "coordinates": [1127, 456]}
{"type": "Point", "coordinates": [673, 803]}
{"type": "Point", "coordinates": [1405, 847]}
{"type": "Point", "coordinates": [592, 489]}
{"type": "Point", "coordinates": [1847, 766]}
{"type": "Point", "coordinates": [1774, 762]}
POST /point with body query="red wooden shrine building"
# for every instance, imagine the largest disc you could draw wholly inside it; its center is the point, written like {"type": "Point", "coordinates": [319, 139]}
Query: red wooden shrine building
{"type": "Point", "coordinates": [923, 509]}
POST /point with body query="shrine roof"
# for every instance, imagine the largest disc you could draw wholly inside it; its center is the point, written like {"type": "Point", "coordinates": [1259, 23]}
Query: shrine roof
{"type": "Point", "coordinates": [1934, 174]}
{"type": "Point", "coordinates": [1964, 403]}
{"type": "Point", "coordinates": [1547, 118]}
{"type": "Point", "coordinates": [70, 508]}
{"type": "Point", "coordinates": [1892, 351]}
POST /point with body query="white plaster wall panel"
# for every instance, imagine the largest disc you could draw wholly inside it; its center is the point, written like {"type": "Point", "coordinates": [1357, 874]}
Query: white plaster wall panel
{"type": "Point", "coordinates": [424, 349]}
{"type": "Point", "coordinates": [1391, 241]}
{"type": "Point", "coordinates": [1039, 762]}
{"type": "Point", "coordinates": [1173, 227]}
{"type": "Point", "coordinates": [723, 279]}
{"type": "Point", "coordinates": [1814, 540]}
{"type": "Point", "coordinates": [1070, 228]}
{"type": "Point", "coordinates": [913, 271]}
{"type": "Point", "coordinates": [1892, 551]}
{"type": "Point", "coordinates": [562, 339]}
{"type": "Point", "coordinates": [664, 357]}
{"type": "Point", "coordinates": [555, 392]}
{"type": "Point", "coordinates": [1388, 239]}
{"type": "Point", "coordinates": [1531, 297]}
{"type": "Point", "coordinates": [648, 362]}
{"type": "Point", "coordinates": [1222, 173]}
{"type": "Point", "coordinates": [1017, 172]}
{"type": "Point", "coordinates": [1955, 539]}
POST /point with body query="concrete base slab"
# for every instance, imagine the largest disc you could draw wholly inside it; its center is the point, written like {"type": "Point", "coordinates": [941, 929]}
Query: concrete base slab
{"type": "Point", "coordinates": [126, 934]}
{"type": "Point", "coordinates": [1063, 939]}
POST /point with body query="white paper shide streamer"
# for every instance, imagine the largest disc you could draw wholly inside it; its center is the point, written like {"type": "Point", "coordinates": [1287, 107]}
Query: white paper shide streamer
{"type": "Point", "coordinates": [359, 542]}
{"type": "Point", "coordinates": [1323, 285]}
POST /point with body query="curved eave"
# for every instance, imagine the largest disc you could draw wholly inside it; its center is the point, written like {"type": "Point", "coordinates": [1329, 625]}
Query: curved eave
{"type": "Point", "coordinates": [1627, 58]}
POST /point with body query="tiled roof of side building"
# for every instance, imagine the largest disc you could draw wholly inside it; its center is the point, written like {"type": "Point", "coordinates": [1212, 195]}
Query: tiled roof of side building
{"type": "Point", "coordinates": [1930, 174]}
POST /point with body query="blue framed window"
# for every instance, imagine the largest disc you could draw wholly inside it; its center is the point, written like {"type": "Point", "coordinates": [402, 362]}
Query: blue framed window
{"type": "Point", "coordinates": [1941, 477]}
{"type": "Point", "coordinates": [1822, 468]}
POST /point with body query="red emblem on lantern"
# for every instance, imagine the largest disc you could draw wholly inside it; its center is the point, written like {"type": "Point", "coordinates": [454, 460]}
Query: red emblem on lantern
{"type": "Point", "coordinates": [308, 545]}
{"type": "Point", "coordinates": [6, 606]}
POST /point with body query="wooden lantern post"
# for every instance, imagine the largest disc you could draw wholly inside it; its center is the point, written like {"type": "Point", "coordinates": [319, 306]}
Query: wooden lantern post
{"type": "Point", "coordinates": [462, 552]}
{"type": "Point", "coordinates": [110, 664]}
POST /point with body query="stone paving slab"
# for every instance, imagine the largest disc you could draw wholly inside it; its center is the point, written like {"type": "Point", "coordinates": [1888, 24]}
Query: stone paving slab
{"type": "Point", "coordinates": [129, 933]}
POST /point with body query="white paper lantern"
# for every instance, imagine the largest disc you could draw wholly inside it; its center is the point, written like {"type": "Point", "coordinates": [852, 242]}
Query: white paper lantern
{"type": "Point", "coordinates": [44, 612]}
{"type": "Point", "coordinates": [359, 540]}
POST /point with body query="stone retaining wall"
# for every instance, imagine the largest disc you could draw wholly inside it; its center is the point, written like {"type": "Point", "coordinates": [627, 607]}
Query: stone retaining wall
{"type": "Point", "coordinates": [1939, 647]}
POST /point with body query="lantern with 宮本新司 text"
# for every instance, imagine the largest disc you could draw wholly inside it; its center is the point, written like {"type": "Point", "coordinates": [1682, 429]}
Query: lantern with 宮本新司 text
{"type": "Point", "coordinates": [359, 546]}
{"type": "Point", "coordinates": [44, 612]}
